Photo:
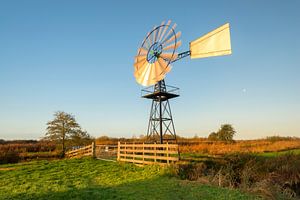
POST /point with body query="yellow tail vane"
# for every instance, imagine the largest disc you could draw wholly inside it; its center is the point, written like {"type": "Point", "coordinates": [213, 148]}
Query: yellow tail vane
{"type": "Point", "coordinates": [214, 43]}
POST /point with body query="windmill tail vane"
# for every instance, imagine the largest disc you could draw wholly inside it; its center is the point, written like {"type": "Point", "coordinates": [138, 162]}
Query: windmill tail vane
{"type": "Point", "coordinates": [214, 43]}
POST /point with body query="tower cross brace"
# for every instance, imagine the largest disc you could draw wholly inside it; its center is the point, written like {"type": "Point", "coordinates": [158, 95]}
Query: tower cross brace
{"type": "Point", "coordinates": [161, 126]}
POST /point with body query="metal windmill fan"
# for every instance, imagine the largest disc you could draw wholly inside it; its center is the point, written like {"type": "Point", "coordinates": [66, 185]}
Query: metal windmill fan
{"type": "Point", "coordinates": [156, 53]}
{"type": "Point", "coordinates": [152, 63]}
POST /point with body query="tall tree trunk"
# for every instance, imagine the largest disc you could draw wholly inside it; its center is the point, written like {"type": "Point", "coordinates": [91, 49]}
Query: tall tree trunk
{"type": "Point", "coordinates": [63, 139]}
{"type": "Point", "coordinates": [63, 146]}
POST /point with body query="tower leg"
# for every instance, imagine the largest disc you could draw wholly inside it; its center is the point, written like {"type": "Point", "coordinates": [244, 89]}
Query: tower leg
{"type": "Point", "coordinates": [160, 122]}
{"type": "Point", "coordinates": [161, 127]}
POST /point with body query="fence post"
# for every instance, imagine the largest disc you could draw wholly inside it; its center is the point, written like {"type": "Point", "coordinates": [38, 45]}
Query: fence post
{"type": "Point", "coordinates": [133, 151]}
{"type": "Point", "coordinates": [143, 152]}
{"type": "Point", "coordinates": [154, 151]}
{"type": "Point", "coordinates": [125, 150]}
{"type": "Point", "coordinates": [93, 149]}
{"type": "Point", "coordinates": [178, 151]}
{"type": "Point", "coordinates": [118, 159]}
{"type": "Point", "coordinates": [168, 152]}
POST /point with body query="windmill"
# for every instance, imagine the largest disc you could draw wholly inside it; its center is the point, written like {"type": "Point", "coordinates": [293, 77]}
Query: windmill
{"type": "Point", "coordinates": [153, 62]}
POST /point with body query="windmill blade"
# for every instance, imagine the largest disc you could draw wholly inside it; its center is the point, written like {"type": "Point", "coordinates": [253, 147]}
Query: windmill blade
{"type": "Point", "coordinates": [140, 56]}
{"type": "Point", "coordinates": [172, 38]}
{"type": "Point", "coordinates": [149, 40]}
{"type": "Point", "coordinates": [143, 71]}
{"type": "Point", "coordinates": [170, 31]}
{"type": "Point", "coordinates": [139, 63]}
{"type": "Point", "coordinates": [169, 56]}
{"type": "Point", "coordinates": [139, 70]}
{"type": "Point", "coordinates": [155, 30]}
{"type": "Point", "coordinates": [144, 76]}
{"type": "Point", "coordinates": [143, 51]}
{"type": "Point", "coordinates": [172, 46]}
{"type": "Point", "coordinates": [164, 31]}
{"type": "Point", "coordinates": [146, 42]}
{"type": "Point", "coordinates": [157, 33]}
{"type": "Point", "coordinates": [158, 69]}
{"type": "Point", "coordinates": [160, 29]}
{"type": "Point", "coordinates": [214, 43]}
{"type": "Point", "coordinates": [140, 59]}
{"type": "Point", "coordinates": [164, 65]}
{"type": "Point", "coordinates": [152, 75]}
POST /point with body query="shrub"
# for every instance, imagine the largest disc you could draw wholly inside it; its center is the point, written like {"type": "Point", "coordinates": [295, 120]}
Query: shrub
{"type": "Point", "coordinates": [192, 171]}
{"type": "Point", "coordinates": [9, 157]}
{"type": "Point", "coordinates": [275, 177]}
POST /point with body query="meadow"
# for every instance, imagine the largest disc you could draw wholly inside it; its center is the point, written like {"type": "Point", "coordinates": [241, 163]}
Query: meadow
{"type": "Point", "coordinates": [88, 178]}
{"type": "Point", "coordinates": [272, 144]}
{"type": "Point", "coordinates": [246, 169]}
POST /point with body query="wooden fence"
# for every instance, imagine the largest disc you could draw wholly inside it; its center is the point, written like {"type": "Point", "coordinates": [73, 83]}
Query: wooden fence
{"type": "Point", "coordinates": [88, 150]}
{"type": "Point", "coordinates": [148, 153]}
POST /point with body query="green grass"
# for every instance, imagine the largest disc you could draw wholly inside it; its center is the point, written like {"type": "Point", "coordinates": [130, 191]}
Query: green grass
{"type": "Point", "coordinates": [279, 153]}
{"type": "Point", "coordinates": [203, 157]}
{"type": "Point", "coordinates": [96, 179]}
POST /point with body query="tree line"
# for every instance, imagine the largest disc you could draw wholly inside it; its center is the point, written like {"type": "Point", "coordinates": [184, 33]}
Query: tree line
{"type": "Point", "coordinates": [65, 132]}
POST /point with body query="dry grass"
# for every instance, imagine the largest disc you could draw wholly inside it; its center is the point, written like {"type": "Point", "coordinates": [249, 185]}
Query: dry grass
{"type": "Point", "coordinates": [205, 146]}
{"type": "Point", "coordinates": [244, 146]}
{"type": "Point", "coordinates": [270, 177]}
{"type": "Point", "coordinates": [7, 169]}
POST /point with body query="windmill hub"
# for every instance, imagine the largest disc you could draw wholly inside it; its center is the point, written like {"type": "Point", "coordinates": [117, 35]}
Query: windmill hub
{"type": "Point", "coordinates": [154, 52]}
{"type": "Point", "coordinates": [153, 61]}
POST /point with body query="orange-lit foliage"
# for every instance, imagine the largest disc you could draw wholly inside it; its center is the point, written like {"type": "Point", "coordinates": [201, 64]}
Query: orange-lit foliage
{"type": "Point", "coordinates": [16, 150]}
{"type": "Point", "coordinates": [242, 146]}
{"type": "Point", "coordinates": [28, 147]}
{"type": "Point", "coordinates": [204, 146]}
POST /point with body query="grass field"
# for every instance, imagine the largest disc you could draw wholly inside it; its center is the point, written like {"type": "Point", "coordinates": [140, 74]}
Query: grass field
{"type": "Point", "coordinates": [95, 179]}
{"type": "Point", "coordinates": [241, 146]}
{"type": "Point", "coordinates": [274, 154]}
{"type": "Point", "coordinates": [202, 156]}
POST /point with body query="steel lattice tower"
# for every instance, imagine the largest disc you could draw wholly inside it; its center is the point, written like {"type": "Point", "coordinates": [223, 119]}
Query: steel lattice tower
{"type": "Point", "coordinates": [161, 126]}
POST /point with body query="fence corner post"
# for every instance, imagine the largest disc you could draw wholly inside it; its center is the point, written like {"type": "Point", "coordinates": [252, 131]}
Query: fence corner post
{"type": "Point", "coordinates": [118, 157]}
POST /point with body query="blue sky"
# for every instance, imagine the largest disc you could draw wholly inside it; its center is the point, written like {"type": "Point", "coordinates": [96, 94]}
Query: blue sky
{"type": "Point", "coordinates": [77, 56]}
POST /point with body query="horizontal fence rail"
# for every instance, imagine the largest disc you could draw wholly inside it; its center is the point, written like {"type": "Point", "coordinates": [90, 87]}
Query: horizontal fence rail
{"type": "Point", "coordinates": [148, 153]}
{"type": "Point", "coordinates": [88, 150]}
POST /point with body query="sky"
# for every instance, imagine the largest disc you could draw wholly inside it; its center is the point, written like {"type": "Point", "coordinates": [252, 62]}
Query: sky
{"type": "Point", "coordinates": [77, 57]}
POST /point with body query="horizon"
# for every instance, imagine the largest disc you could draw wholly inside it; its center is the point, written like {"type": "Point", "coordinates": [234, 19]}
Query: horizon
{"type": "Point", "coordinates": [188, 137]}
{"type": "Point", "coordinates": [78, 57]}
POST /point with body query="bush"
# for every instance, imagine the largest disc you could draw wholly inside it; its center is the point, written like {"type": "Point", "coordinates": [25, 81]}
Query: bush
{"type": "Point", "coordinates": [225, 133]}
{"type": "Point", "coordinates": [17, 150]}
{"type": "Point", "coordinates": [276, 177]}
{"type": "Point", "coordinates": [9, 157]}
{"type": "Point", "coordinates": [285, 172]}
{"type": "Point", "coordinates": [192, 171]}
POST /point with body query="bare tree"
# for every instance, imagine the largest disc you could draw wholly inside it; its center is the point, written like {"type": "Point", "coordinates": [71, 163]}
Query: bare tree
{"type": "Point", "coordinates": [61, 128]}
